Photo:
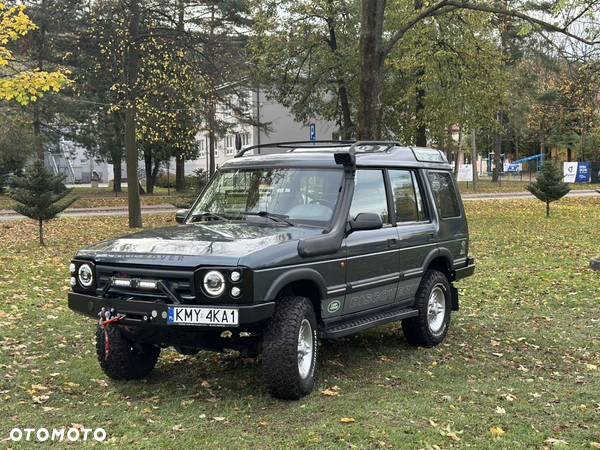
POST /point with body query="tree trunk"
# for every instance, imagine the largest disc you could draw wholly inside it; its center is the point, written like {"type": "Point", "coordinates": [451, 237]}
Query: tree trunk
{"type": "Point", "coordinates": [117, 175]}
{"type": "Point", "coordinates": [474, 158]}
{"type": "Point", "coordinates": [148, 167]}
{"type": "Point", "coordinates": [346, 126]}
{"type": "Point", "coordinates": [460, 154]}
{"type": "Point", "coordinates": [547, 208]}
{"type": "Point", "coordinates": [117, 153]}
{"type": "Point", "coordinates": [131, 69]}
{"type": "Point", "coordinates": [180, 172]}
{"type": "Point", "coordinates": [497, 157]}
{"type": "Point", "coordinates": [41, 231]}
{"type": "Point", "coordinates": [37, 136]}
{"type": "Point", "coordinates": [371, 69]}
{"type": "Point", "coordinates": [211, 147]}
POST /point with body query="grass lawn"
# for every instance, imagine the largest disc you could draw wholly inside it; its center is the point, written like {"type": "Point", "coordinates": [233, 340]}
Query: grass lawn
{"type": "Point", "coordinates": [523, 355]}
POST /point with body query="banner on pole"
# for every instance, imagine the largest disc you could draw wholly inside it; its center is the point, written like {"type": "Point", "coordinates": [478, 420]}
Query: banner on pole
{"type": "Point", "coordinates": [577, 172]}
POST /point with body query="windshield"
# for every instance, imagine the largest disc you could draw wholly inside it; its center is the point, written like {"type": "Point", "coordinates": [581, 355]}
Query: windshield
{"type": "Point", "coordinates": [300, 195]}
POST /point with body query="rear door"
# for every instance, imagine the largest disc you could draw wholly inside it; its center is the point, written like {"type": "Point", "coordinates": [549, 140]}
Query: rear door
{"type": "Point", "coordinates": [372, 264]}
{"type": "Point", "coordinates": [453, 232]}
{"type": "Point", "coordinates": [416, 230]}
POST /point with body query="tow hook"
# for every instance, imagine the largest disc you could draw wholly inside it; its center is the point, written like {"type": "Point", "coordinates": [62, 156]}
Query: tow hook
{"type": "Point", "coordinates": [107, 318]}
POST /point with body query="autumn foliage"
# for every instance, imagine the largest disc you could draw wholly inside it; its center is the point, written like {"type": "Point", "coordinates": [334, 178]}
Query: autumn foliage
{"type": "Point", "coordinates": [22, 86]}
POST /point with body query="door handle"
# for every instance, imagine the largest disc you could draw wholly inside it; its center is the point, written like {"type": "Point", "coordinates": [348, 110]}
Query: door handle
{"type": "Point", "coordinates": [392, 242]}
{"type": "Point", "coordinates": [430, 236]}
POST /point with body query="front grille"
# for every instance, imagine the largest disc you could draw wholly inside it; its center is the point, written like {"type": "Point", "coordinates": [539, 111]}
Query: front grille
{"type": "Point", "coordinates": [181, 283]}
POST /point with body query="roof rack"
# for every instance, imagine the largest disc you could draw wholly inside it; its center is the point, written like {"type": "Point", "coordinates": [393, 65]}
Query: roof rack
{"type": "Point", "coordinates": [292, 145]}
{"type": "Point", "coordinates": [295, 145]}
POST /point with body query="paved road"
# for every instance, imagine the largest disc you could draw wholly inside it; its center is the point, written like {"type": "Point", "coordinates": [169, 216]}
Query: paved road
{"type": "Point", "coordinates": [523, 195]}
{"type": "Point", "coordinates": [7, 214]}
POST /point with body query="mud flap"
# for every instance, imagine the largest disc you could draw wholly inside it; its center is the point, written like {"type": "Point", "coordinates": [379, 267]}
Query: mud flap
{"type": "Point", "coordinates": [454, 295]}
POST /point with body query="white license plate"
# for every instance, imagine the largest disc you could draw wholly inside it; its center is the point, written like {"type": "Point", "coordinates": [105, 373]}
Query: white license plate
{"type": "Point", "coordinates": [191, 315]}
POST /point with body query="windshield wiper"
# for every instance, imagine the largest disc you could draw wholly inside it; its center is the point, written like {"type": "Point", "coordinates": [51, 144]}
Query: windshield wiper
{"type": "Point", "coordinates": [281, 218]}
{"type": "Point", "coordinates": [207, 215]}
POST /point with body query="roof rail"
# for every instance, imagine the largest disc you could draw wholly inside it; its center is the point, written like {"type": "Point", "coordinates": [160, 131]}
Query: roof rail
{"type": "Point", "coordinates": [291, 145]}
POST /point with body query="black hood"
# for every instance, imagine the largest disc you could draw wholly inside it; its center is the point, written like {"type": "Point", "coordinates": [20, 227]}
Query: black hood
{"type": "Point", "coordinates": [219, 243]}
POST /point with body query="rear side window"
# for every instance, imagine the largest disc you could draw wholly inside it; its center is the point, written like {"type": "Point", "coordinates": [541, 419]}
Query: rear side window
{"type": "Point", "coordinates": [444, 194]}
{"type": "Point", "coordinates": [369, 194]}
{"type": "Point", "coordinates": [407, 196]}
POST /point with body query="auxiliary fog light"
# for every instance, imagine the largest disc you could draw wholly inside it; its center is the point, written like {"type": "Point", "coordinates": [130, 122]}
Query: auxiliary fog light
{"type": "Point", "coordinates": [235, 291]}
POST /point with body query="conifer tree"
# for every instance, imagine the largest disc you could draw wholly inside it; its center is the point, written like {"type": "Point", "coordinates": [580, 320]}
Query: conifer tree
{"type": "Point", "coordinates": [549, 186]}
{"type": "Point", "coordinates": [40, 195]}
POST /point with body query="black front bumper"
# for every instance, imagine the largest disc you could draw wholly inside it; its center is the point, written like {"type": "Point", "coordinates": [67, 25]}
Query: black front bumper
{"type": "Point", "coordinates": [147, 313]}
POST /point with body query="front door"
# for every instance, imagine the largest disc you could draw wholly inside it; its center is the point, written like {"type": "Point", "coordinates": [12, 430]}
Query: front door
{"type": "Point", "coordinates": [416, 231]}
{"type": "Point", "coordinates": [372, 264]}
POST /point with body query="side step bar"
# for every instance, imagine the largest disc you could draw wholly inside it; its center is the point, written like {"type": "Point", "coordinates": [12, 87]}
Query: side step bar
{"type": "Point", "coordinates": [354, 325]}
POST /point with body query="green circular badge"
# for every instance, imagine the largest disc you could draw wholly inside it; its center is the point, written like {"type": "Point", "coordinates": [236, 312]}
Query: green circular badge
{"type": "Point", "coordinates": [334, 306]}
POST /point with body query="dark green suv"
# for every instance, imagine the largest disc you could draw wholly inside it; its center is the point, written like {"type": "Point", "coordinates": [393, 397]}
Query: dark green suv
{"type": "Point", "coordinates": [299, 242]}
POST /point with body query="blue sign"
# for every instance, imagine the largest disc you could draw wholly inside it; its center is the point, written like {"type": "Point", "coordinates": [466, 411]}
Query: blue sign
{"type": "Point", "coordinates": [313, 132]}
{"type": "Point", "coordinates": [515, 167]}
{"type": "Point", "coordinates": [584, 172]}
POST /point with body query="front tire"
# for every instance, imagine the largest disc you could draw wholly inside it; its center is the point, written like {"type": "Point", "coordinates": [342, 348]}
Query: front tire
{"type": "Point", "coordinates": [434, 303]}
{"type": "Point", "coordinates": [290, 344]}
{"type": "Point", "coordinates": [126, 360]}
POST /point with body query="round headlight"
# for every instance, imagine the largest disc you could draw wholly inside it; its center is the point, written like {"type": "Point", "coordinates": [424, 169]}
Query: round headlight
{"type": "Point", "coordinates": [214, 283]}
{"type": "Point", "coordinates": [235, 276]}
{"type": "Point", "coordinates": [85, 275]}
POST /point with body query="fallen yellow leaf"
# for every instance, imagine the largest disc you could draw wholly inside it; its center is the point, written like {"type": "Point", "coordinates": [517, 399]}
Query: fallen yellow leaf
{"type": "Point", "coordinates": [497, 432]}
{"type": "Point", "coordinates": [347, 420]}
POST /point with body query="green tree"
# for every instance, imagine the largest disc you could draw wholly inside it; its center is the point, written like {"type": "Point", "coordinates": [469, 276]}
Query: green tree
{"type": "Point", "coordinates": [549, 186]}
{"type": "Point", "coordinates": [17, 143]}
{"type": "Point", "coordinates": [40, 195]}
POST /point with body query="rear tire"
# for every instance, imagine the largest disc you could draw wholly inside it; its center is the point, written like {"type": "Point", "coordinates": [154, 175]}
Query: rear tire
{"type": "Point", "coordinates": [289, 355]}
{"type": "Point", "coordinates": [126, 360]}
{"type": "Point", "coordinates": [434, 303]}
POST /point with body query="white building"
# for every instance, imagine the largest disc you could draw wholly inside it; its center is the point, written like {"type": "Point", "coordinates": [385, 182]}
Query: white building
{"type": "Point", "coordinates": [280, 123]}
{"type": "Point", "coordinates": [73, 161]}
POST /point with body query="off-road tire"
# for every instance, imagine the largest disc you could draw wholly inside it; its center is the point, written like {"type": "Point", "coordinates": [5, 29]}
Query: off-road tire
{"type": "Point", "coordinates": [126, 360]}
{"type": "Point", "coordinates": [416, 329]}
{"type": "Point", "coordinates": [280, 349]}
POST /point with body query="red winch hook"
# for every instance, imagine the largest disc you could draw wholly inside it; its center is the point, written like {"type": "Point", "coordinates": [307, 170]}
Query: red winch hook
{"type": "Point", "coordinates": [107, 319]}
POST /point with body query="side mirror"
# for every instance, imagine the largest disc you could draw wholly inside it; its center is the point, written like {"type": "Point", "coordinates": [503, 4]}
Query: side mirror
{"type": "Point", "coordinates": [366, 221]}
{"type": "Point", "coordinates": [180, 215]}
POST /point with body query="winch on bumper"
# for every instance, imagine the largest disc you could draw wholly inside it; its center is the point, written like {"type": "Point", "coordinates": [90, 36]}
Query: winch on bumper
{"type": "Point", "coordinates": [149, 313]}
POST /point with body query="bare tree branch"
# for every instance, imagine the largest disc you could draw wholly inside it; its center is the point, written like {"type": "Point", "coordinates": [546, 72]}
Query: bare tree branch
{"type": "Point", "coordinates": [514, 13]}
{"type": "Point", "coordinates": [411, 23]}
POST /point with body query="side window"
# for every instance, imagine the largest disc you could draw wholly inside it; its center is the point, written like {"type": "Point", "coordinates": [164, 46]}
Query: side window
{"type": "Point", "coordinates": [369, 194]}
{"type": "Point", "coordinates": [407, 196]}
{"type": "Point", "coordinates": [444, 194]}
